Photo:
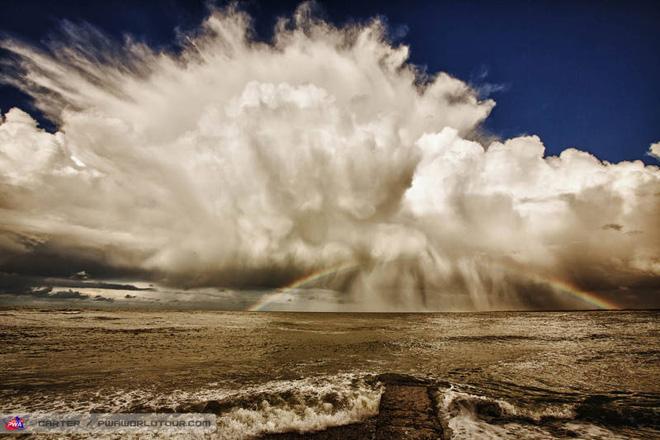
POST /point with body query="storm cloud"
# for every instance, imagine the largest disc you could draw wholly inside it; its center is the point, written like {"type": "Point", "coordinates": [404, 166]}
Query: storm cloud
{"type": "Point", "coordinates": [233, 162]}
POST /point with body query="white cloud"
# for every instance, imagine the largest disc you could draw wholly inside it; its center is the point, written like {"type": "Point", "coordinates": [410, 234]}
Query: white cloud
{"type": "Point", "coordinates": [238, 162]}
{"type": "Point", "coordinates": [654, 150]}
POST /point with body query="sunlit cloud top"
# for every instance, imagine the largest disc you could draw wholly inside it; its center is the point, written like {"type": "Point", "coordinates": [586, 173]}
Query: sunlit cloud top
{"type": "Point", "coordinates": [242, 164]}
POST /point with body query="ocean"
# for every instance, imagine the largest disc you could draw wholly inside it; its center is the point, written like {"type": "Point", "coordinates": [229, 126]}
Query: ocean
{"type": "Point", "coordinates": [540, 375]}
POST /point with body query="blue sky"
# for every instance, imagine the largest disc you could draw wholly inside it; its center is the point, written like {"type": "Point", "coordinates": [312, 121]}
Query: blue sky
{"type": "Point", "coordinates": [580, 73]}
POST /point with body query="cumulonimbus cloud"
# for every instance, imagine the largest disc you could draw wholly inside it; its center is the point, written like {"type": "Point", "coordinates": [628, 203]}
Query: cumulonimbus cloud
{"type": "Point", "coordinates": [235, 162]}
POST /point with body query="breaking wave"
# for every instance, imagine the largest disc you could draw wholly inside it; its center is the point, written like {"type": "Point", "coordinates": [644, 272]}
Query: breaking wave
{"type": "Point", "coordinates": [301, 406]}
{"type": "Point", "coordinates": [465, 416]}
{"type": "Point", "coordinates": [316, 404]}
{"type": "Point", "coordinates": [304, 405]}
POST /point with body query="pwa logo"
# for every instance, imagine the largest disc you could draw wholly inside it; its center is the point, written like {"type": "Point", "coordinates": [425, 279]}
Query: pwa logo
{"type": "Point", "coordinates": [15, 424]}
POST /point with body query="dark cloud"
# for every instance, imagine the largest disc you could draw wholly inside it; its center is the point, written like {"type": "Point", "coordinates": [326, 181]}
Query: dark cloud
{"type": "Point", "coordinates": [11, 283]}
{"type": "Point", "coordinates": [47, 293]}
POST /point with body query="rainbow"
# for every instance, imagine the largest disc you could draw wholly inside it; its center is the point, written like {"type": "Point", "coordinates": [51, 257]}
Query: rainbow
{"type": "Point", "coordinates": [301, 282]}
{"type": "Point", "coordinates": [561, 286]}
{"type": "Point", "coordinates": [557, 284]}
{"type": "Point", "coordinates": [585, 296]}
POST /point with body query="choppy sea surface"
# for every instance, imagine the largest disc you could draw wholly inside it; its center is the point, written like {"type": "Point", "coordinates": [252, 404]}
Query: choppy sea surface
{"type": "Point", "coordinates": [549, 375]}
